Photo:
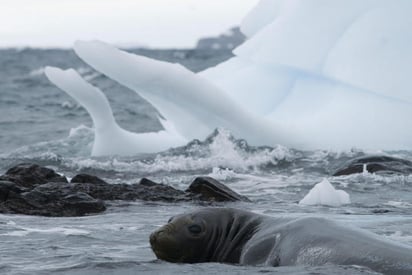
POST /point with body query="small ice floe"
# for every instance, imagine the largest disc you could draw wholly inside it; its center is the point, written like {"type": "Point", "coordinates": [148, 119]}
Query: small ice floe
{"type": "Point", "coordinates": [324, 193]}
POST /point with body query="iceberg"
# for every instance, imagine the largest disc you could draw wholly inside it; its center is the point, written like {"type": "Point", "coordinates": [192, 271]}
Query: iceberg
{"type": "Point", "coordinates": [109, 138]}
{"type": "Point", "coordinates": [335, 72]}
{"type": "Point", "coordinates": [313, 74]}
{"type": "Point", "coordinates": [324, 193]}
{"type": "Point", "coordinates": [194, 105]}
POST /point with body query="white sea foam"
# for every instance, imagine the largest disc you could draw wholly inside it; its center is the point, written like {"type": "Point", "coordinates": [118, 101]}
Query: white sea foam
{"type": "Point", "coordinates": [70, 105]}
{"type": "Point", "coordinates": [360, 178]}
{"type": "Point", "coordinates": [399, 204]}
{"type": "Point", "coordinates": [78, 143]}
{"type": "Point", "coordinates": [80, 131]}
{"type": "Point", "coordinates": [221, 151]}
{"type": "Point", "coordinates": [17, 233]}
{"type": "Point", "coordinates": [56, 230]}
{"type": "Point", "coordinates": [222, 173]}
{"type": "Point", "coordinates": [37, 72]}
{"type": "Point", "coordinates": [312, 255]}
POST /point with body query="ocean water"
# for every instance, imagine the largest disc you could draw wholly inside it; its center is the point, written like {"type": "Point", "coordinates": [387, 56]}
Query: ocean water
{"type": "Point", "coordinates": [43, 125]}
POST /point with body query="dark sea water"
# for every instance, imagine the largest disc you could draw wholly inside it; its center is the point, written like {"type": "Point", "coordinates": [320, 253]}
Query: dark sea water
{"type": "Point", "coordinates": [41, 124]}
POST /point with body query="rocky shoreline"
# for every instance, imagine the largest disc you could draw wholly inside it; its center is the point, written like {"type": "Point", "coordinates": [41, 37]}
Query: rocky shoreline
{"type": "Point", "coordinates": [31, 189]}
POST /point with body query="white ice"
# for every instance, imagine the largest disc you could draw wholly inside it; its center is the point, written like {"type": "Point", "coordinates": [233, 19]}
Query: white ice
{"type": "Point", "coordinates": [334, 72]}
{"type": "Point", "coordinates": [324, 193]}
{"type": "Point", "coordinates": [193, 104]}
{"type": "Point", "coordinates": [314, 74]}
{"type": "Point", "coordinates": [110, 139]}
{"type": "Point", "coordinates": [263, 14]}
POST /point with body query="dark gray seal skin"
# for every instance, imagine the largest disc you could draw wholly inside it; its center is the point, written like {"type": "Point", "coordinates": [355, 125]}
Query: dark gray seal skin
{"type": "Point", "coordinates": [235, 236]}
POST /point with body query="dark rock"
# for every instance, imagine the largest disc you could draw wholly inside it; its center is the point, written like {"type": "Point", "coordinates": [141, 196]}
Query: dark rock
{"type": "Point", "coordinates": [380, 211]}
{"type": "Point", "coordinates": [34, 190]}
{"type": "Point", "coordinates": [30, 175]}
{"type": "Point", "coordinates": [54, 199]}
{"type": "Point", "coordinates": [203, 188]}
{"type": "Point", "coordinates": [227, 41]}
{"type": "Point", "coordinates": [147, 182]}
{"type": "Point", "coordinates": [374, 164]}
{"type": "Point", "coordinates": [6, 187]}
{"type": "Point", "coordinates": [147, 190]}
{"type": "Point", "coordinates": [85, 178]}
{"type": "Point", "coordinates": [209, 189]}
{"type": "Point", "coordinates": [81, 204]}
{"type": "Point", "coordinates": [160, 192]}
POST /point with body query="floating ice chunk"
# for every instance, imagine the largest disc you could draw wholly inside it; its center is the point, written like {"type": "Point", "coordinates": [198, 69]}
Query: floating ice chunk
{"type": "Point", "coordinates": [109, 138]}
{"type": "Point", "coordinates": [324, 193]}
{"type": "Point", "coordinates": [194, 105]}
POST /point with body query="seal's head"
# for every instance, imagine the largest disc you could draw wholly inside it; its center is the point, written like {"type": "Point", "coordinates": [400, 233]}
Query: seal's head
{"type": "Point", "coordinates": [206, 235]}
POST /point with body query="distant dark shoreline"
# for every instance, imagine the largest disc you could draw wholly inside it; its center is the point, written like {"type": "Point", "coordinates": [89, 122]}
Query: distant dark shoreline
{"type": "Point", "coordinates": [195, 60]}
{"type": "Point", "coordinates": [208, 52]}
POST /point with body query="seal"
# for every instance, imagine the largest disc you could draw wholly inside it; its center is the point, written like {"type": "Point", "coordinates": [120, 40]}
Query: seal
{"type": "Point", "coordinates": [235, 236]}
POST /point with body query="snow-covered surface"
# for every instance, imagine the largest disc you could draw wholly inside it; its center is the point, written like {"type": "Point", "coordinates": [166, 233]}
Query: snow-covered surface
{"type": "Point", "coordinates": [314, 74]}
{"type": "Point", "coordinates": [324, 193]}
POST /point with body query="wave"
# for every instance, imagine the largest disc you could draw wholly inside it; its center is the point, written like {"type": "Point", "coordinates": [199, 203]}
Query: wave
{"type": "Point", "coordinates": [219, 151]}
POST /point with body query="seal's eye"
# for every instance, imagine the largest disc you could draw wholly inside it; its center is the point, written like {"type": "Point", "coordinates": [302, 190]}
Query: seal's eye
{"type": "Point", "coordinates": [171, 219]}
{"type": "Point", "coordinates": [195, 229]}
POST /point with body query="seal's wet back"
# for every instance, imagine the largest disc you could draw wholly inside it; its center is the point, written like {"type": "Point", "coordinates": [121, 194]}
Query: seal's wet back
{"type": "Point", "coordinates": [235, 236]}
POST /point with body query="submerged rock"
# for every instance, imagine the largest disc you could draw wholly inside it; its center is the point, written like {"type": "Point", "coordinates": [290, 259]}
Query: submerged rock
{"type": "Point", "coordinates": [374, 164]}
{"type": "Point", "coordinates": [46, 193]}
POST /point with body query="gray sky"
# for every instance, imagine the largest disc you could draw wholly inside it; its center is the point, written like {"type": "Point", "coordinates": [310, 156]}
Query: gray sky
{"type": "Point", "coordinates": [154, 23]}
